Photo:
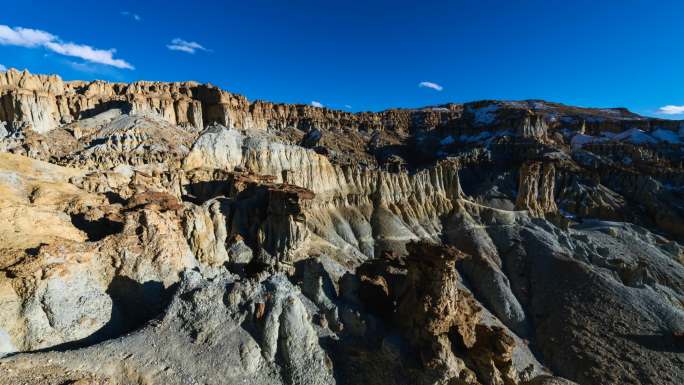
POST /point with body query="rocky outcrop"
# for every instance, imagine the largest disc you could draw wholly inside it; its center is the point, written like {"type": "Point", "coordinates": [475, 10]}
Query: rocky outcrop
{"type": "Point", "coordinates": [177, 233]}
{"type": "Point", "coordinates": [434, 310]}
{"type": "Point", "coordinates": [536, 188]}
{"type": "Point", "coordinates": [42, 103]}
{"type": "Point", "coordinates": [31, 100]}
{"type": "Point", "coordinates": [454, 338]}
{"type": "Point", "coordinates": [236, 331]}
{"type": "Point", "coordinates": [533, 126]}
{"type": "Point", "coordinates": [362, 211]}
{"type": "Point", "coordinates": [78, 276]}
{"type": "Point", "coordinates": [132, 141]}
{"type": "Point", "coordinates": [579, 256]}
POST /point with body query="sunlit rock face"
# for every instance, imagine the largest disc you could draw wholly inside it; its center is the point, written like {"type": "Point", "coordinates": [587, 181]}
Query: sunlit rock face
{"type": "Point", "coordinates": [175, 233]}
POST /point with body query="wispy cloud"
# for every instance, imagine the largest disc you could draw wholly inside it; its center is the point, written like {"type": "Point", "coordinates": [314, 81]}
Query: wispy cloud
{"type": "Point", "coordinates": [671, 110]}
{"type": "Point", "coordinates": [347, 106]}
{"type": "Point", "coordinates": [83, 67]}
{"type": "Point", "coordinates": [35, 38]}
{"type": "Point", "coordinates": [133, 16]}
{"type": "Point", "coordinates": [94, 69]}
{"type": "Point", "coordinates": [317, 104]}
{"type": "Point", "coordinates": [3, 68]}
{"type": "Point", "coordinates": [88, 53]}
{"type": "Point", "coordinates": [432, 85]}
{"type": "Point", "coordinates": [178, 44]}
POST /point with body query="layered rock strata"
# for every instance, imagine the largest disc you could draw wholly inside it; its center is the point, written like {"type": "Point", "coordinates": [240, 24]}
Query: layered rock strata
{"type": "Point", "coordinates": [156, 233]}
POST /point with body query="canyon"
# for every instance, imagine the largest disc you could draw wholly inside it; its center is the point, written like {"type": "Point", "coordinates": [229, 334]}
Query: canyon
{"type": "Point", "coordinates": [177, 233]}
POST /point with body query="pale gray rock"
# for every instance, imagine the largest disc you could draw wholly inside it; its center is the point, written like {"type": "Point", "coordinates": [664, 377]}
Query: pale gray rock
{"type": "Point", "coordinates": [205, 229]}
{"type": "Point", "coordinates": [240, 253]}
{"type": "Point", "coordinates": [219, 331]}
{"type": "Point", "coordinates": [6, 345]}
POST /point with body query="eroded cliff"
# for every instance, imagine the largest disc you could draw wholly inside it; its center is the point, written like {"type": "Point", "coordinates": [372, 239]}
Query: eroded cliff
{"type": "Point", "coordinates": [183, 234]}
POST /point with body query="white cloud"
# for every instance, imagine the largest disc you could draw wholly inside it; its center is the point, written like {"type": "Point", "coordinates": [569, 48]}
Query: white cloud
{"type": "Point", "coordinates": [24, 37]}
{"type": "Point", "coordinates": [33, 38]}
{"type": "Point", "coordinates": [89, 53]}
{"type": "Point", "coordinates": [3, 68]}
{"type": "Point", "coordinates": [432, 85]}
{"type": "Point", "coordinates": [317, 104]}
{"type": "Point", "coordinates": [347, 106]}
{"type": "Point", "coordinates": [185, 46]}
{"type": "Point", "coordinates": [134, 16]}
{"type": "Point", "coordinates": [671, 110]}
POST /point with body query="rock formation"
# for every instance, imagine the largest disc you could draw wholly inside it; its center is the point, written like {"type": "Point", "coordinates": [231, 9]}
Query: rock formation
{"type": "Point", "coordinates": [176, 233]}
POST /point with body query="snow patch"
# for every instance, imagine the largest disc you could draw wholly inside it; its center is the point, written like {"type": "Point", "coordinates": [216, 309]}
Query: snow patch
{"type": "Point", "coordinates": [485, 137]}
{"type": "Point", "coordinates": [515, 104]}
{"type": "Point", "coordinates": [633, 135]}
{"type": "Point", "coordinates": [539, 106]}
{"type": "Point", "coordinates": [580, 140]}
{"type": "Point", "coordinates": [666, 136]}
{"type": "Point", "coordinates": [485, 115]}
{"type": "Point", "coordinates": [474, 138]}
{"type": "Point", "coordinates": [566, 214]}
{"type": "Point", "coordinates": [447, 141]}
{"type": "Point", "coordinates": [568, 133]}
{"type": "Point", "coordinates": [610, 111]}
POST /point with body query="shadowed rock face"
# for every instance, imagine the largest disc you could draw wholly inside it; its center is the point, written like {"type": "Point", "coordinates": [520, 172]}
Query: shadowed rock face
{"type": "Point", "coordinates": [175, 233]}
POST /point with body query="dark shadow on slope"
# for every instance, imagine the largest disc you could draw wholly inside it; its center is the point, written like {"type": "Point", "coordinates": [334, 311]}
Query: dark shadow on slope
{"type": "Point", "coordinates": [201, 192]}
{"type": "Point", "coordinates": [97, 229]}
{"type": "Point", "coordinates": [382, 356]}
{"type": "Point", "coordinates": [134, 304]}
{"type": "Point", "coordinates": [137, 303]}
{"type": "Point", "coordinates": [122, 105]}
{"type": "Point", "coordinates": [114, 198]}
{"type": "Point", "coordinates": [666, 342]}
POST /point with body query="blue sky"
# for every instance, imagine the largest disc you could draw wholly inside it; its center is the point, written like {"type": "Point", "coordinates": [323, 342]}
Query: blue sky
{"type": "Point", "coordinates": [368, 55]}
